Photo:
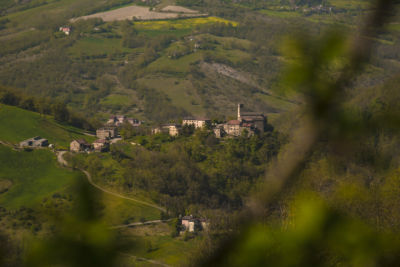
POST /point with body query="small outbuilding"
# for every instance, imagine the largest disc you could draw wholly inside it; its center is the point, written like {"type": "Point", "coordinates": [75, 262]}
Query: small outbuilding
{"type": "Point", "coordinates": [79, 145]}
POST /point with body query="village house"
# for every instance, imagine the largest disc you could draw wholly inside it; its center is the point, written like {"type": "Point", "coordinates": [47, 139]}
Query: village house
{"type": "Point", "coordinates": [107, 133]}
{"type": "Point", "coordinates": [36, 141]}
{"type": "Point", "coordinates": [79, 145]}
{"type": "Point", "coordinates": [101, 145]}
{"type": "Point", "coordinates": [219, 131]}
{"type": "Point", "coordinates": [232, 127]}
{"type": "Point", "coordinates": [191, 223]}
{"type": "Point", "coordinates": [118, 120]}
{"type": "Point", "coordinates": [65, 29]}
{"type": "Point", "coordinates": [197, 122]}
{"type": "Point", "coordinates": [257, 120]}
{"type": "Point", "coordinates": [171, 129]}
{"type": "Point", "coordinates": [249, 122]}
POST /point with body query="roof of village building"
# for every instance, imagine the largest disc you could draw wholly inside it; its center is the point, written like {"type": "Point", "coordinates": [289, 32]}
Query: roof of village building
{"type": "Point", "coordinates": [249, 125]}
{"type": "Point", "coordinates": [233, 122]}
{"type": "Point", "coordinates": [196, 118]}
{"type": "Point", "coordinates": [81, 141]}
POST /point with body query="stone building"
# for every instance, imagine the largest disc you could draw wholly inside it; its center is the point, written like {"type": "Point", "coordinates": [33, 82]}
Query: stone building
{"type": "Point", "coordinates": [101, 145]}
{"type": "Point", "coordinates": [198, 122]}
{"type": "Point", "coordinates": [106, 133]}
{"type": "Point", "coordinates": [257, 120]}
{"type": "Point", "coordinates": [171, 129]}
{"type": "Point", "coordinates": [79, 145]}
{"type": "Point", "coordinates": [118, 120]}
{"type": "Point", "coordinates": [192, 224]}
{"type": "Point", "coordinates": [36, 141]}
{"type": "Point", "coordinates": [232, 128]}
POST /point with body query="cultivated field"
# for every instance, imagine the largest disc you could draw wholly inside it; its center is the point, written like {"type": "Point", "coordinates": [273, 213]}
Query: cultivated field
{"type": "Point", "coordinates": [139, 13]}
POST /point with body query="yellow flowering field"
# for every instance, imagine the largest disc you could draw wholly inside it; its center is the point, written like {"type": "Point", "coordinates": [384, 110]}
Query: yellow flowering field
{"type": "Point", "coordinates": [181, 23]}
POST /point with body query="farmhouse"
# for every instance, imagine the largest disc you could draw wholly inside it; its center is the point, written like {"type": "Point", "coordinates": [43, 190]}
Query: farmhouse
{"type": "Point", "coordinates": [118, 120]}
{"type": "Point", "coordinates": [65, 29]}
{"type": "Point", "coordinates": [101, 145]}
{"type": "Point", "coordinates": [171, 129]}
{"type": "Point", "coordinates": [79, 146]}
{"type": "Point", "coordinates": [36, 141]}
{"type": "Point", "coordinates": [106, 133]}
{"type": "Point", "coordinates": [197, 122]}
{"type": "Point", "coordinates": [192, 224]}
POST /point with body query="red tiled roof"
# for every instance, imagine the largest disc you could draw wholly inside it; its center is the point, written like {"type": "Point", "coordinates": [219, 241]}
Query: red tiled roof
{"type": "Point", "coordinates": [234, 122]}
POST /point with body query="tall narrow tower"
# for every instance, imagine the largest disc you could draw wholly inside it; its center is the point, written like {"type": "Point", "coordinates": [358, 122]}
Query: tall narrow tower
{"type": "Point", "coordinates": [238, 117]}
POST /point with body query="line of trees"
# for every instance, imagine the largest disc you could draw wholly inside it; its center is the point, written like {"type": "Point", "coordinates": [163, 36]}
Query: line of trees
{"type": "Point", "coordinates": [46, 106]}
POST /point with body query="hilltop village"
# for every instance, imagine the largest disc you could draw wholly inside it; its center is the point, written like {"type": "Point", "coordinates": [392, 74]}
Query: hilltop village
{"type": "Point", "coordinates": [246, 124]}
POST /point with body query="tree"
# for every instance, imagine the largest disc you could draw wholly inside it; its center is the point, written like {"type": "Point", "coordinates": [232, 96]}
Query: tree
{"type": "Point", "coordinates": [60, 112]}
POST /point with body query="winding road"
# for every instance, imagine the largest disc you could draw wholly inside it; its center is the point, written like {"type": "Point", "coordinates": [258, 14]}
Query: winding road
{"type": "Point", "coordinates": [63, 162]}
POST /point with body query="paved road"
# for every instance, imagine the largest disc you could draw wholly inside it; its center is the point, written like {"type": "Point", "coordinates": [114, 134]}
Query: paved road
{"type": "Point", "coordinates": [138, 223]}
{"type": "Point", "coordinates": [63, 162]}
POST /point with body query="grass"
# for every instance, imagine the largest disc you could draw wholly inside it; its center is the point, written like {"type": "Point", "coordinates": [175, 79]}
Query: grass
{"type": "Point", "coordinates": [280, 14]}
{"type": "Point", "coordinates": [350, 4]}
{"type": "Point", "coordinates": [93, 46]}
{"type": "Point", "coordinates": [155, 242]}
{"type": "Point", "coordinates": [18, 124]}
{"type": "Point", "coordinates": [180, 65]}
{"type": "Point", "coordinates": [180, 91]}
{"type": "Point", "coordinates": [119, 211]}
{"type": "Point", "coordinates": [34, 175]}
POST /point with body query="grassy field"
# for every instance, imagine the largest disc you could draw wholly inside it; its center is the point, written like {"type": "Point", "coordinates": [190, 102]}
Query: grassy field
{"type": "Point", "coordinates": [180, 91]}
{"type": "Point", "coordinates": [155, 242]}
{"type": "Point", "coordinates": [92, 46]}
{"type": "Point", "coordinates": [34, 175]}
{"type": "Point", "coordinates": [18, 124]}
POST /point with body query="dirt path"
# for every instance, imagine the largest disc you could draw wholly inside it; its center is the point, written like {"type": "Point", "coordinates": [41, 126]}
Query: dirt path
{"type": "Point", "coordinates": [139, 223]}
{"type": "Point", "coordinates": [144, 259]}
{"type": "Point", "coordinates": [63, 162]}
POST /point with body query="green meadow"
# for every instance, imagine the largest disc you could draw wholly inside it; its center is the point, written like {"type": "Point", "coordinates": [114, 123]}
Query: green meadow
{"type": "Point", "coordinates": [18, 124]}
{"type": "Point", "coordinates": [34, 175]}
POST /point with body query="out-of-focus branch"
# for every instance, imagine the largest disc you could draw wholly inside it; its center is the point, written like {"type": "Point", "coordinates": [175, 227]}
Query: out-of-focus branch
{"type": "Point", "coordinates": [323, 115]}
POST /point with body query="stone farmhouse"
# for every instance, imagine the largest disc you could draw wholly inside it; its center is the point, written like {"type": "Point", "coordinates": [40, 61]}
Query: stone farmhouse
{"type": "Point", "coordinates": [107, 132]}
{"type": "Point", "coordinates": [36, 141]}
{"type": "Point", "coordinates": [191, 223]}
{"type": "Point", "coordinates": [118, 120]}
{"type": "Point", "coordinates": [197, 122]}
{"type": "Point", "coordinates": [101, 145]}
{"type": "Point", "coordinates": [171, 129]}
{"type": "Point", "coordinates": [79, 145]}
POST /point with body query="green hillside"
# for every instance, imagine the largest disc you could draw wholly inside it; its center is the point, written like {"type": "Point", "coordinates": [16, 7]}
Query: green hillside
{"type": "Point", "coordinates": [34, 175]}
{"type": "Point", "coordinates": [18, 124]}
